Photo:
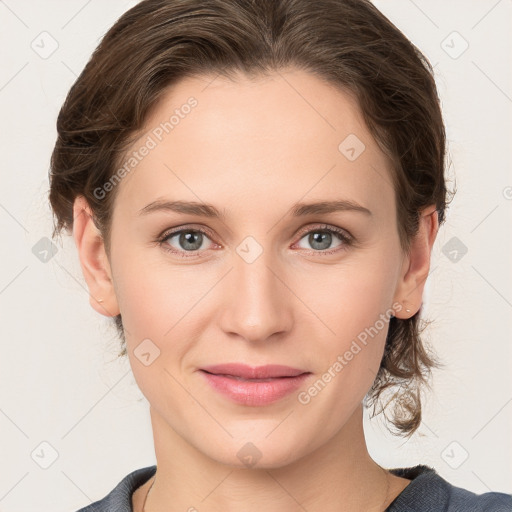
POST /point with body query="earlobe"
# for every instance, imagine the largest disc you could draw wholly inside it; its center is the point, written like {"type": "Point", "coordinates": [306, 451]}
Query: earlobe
{"type": "Point", "coordinates": [416, 265]}
{"type": "Point", "coordinates": [93, 260]}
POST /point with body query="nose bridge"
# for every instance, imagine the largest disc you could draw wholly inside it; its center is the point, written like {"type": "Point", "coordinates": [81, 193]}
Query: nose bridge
{"type": "Point", "coordinates": [258, 305]}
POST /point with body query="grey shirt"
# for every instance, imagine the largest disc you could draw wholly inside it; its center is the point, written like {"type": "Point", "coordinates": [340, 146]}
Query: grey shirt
{"type": "Point", "coordinates": [428, 492]}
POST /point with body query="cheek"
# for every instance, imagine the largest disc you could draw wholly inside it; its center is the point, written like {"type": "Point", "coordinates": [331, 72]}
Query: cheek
{"type": "Point", "coordinates": [349, 340]}
{"type": "Point", "coordinates": [352, 311]}
{"type": "Point", "coordinates": [157, 308]}
{"type": "Point", "coordinates": [141, 303]}
{"type": "Point", "coordinates": [161, 304]}
{"type": "Point", "coordinates": [349, 298]}
{"type": "Point", "coordinates": [152, 296]}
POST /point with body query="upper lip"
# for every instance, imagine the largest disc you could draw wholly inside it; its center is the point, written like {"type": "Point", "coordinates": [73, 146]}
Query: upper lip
{"type": "Point", "coordinates": [253, 372]}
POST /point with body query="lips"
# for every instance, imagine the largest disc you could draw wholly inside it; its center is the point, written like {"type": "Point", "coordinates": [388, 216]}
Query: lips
{"type": "Point", "coordinates": [245, 372]}
{"type": "Point", "coordinates": [254, 386]}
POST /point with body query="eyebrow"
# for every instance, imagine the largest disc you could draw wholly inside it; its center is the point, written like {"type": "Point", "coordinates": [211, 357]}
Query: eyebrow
{"type": "Point", "coordinates": [210, 211]}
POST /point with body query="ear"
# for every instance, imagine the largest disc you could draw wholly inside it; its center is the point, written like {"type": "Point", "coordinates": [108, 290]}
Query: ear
{"type": "Point", "coordinates": [416, 265]}
{"type": "Point", "coordinates": [93, 260]}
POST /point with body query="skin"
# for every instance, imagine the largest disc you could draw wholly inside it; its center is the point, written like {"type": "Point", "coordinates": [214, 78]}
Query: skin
{"type": "Point", "coordinates": [253, 148]}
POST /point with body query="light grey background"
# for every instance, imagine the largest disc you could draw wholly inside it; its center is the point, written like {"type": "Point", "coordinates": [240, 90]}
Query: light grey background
{"type": "Point", "coordinates": [61, 382]}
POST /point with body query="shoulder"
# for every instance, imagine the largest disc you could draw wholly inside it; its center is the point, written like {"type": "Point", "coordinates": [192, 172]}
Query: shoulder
{"type": "Point", "coordinates": [464, 500]}
{"type": "Point", "coordinates": [119, 499]}
{"type": "Point", "coordinates": [429, 492]}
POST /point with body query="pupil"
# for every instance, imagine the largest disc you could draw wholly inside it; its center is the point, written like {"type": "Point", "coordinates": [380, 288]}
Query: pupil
{"type": "Point", "coordinates": [188, 238]}
{"type": "Point", "coordinates": [318, 238]}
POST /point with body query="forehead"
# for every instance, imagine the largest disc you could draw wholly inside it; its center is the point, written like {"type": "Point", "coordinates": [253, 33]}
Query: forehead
{"type": "Point", "coordinates": [257, 142]}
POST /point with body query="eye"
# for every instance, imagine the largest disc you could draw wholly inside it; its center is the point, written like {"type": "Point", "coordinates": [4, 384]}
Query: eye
{"type": "Point", "coordinates": [194, 241]}
{"type": "Point", "coordinates": [186, 241]}
{"type": "Point", "coordinates": [320, 239]}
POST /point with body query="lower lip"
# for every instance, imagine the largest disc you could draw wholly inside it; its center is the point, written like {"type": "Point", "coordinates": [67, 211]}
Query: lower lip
{"type": "Point", "coordinates": [254, 392]}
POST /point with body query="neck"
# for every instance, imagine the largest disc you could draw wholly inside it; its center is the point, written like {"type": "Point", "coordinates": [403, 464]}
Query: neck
{"type": "Point", "coordinates": [337, 476]}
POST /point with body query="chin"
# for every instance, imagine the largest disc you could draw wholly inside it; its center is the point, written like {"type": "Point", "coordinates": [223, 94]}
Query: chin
{"type": "Point", "coordinates": [258, 453]}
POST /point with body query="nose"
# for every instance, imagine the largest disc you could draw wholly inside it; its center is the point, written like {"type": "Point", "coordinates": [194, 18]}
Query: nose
{"type": "Point", "coordinates": [258, 301]}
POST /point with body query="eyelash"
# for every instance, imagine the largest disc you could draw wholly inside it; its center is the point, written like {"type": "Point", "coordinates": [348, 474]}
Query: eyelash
{"type": "Point", "coordinates": [347, 239]}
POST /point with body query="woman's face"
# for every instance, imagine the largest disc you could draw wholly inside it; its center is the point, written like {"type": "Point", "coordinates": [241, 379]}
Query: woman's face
{"type": "Point", "coordinates": [264, 283]}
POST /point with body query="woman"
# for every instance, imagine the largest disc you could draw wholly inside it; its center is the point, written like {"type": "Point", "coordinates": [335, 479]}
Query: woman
{"type": "Point", "coordinates": [254, 189]}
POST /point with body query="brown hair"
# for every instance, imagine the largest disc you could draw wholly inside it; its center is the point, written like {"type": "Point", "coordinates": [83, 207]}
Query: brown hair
{"type": "Point", "coordinates": [348, 43]}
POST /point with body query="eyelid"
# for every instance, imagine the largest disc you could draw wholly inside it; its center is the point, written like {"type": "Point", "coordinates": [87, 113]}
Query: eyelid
{"type": "Point", "coordinates": [327, 227]}
{"type": "Point", "coordinates": [185, 227]}
{"type": "Point", "coordinates": [161, 239]}
{"type": "Point", "coordinates": [208, 231]}
{"type": "Point", "coordinates": [346, 237]}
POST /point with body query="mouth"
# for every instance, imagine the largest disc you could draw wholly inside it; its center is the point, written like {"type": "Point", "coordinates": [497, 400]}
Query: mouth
{"type": "Point", "coordinates": [245, 372]}
{"type": "Point", "coordinates": [254, 386]}
{"type": "Point", "coordinates": [236, 377]}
